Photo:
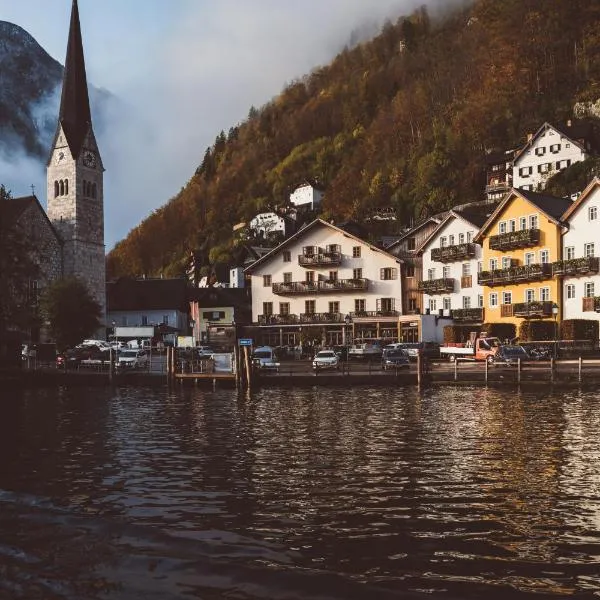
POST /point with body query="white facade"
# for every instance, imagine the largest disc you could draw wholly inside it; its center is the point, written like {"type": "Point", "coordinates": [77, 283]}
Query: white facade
{"type": "Point", "coordinates": [363, 264]}
{"type": "Point", "coordinates": [306, 195]}
{"type": "Point", "coordinates": [267, 223]}
{"type": "Point", "coordinates": [466, 293]}
{"type": "Point", "coordinates": [548, 152]}
{"type": "Point", "coordinates": [582, 240]}
{"type": "Point", "coordinates": [236, 277]}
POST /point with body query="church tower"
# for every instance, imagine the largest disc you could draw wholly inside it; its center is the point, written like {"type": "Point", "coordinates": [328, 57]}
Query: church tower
{"type": "Point", "coordinates": [74, 175]}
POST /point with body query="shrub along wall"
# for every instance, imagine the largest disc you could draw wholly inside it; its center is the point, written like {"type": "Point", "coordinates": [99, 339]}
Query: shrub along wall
{"type": "Point", "coordinates": [579, 329]}
{"type": "Point", "coordinates": [458, 334]}
{"type": "Point", "coordinates": [504, 331]}
{"type": "Point", "coordinates": [530, 331]}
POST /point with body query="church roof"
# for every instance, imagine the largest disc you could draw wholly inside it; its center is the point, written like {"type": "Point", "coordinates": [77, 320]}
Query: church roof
{"type": "Point", "coordinates": [75, 115]}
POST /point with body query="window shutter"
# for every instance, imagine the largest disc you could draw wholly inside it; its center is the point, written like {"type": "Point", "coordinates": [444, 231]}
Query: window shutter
{"type": "Point", "coordinates": [394, 273]}
{"type": "Point", "coordinates": [378, 305]}
{"type": "Point", "coordinates": [381, 273]}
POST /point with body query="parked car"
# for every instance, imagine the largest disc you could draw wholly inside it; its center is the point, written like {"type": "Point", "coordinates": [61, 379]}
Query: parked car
{"type": "Point", "coordinates": [132, 359]}
{"type": "Point", "coordinates": [395, 359]}
{"type": "Point", "coordinates": [326, 359]}
{"type": "Point", "coordinates": [510, 355]}
{"type": "Point", "coordinates": [205, 352]}
{"type": "Point", "coordinates": [263, 357]}
{"type": "Point", "coordinates": [342, 352]}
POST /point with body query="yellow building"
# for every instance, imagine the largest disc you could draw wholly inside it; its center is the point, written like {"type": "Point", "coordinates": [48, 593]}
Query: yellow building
{"type": "Point", "coordinates": [520, 240]}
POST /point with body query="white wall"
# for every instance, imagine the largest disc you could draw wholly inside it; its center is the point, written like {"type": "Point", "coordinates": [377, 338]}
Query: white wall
{"type": "Point", "coordinates": [321, 235]}
{"type": "Point", "coordinates": [529, 159]}
{"type": "Point", "coordinates": [306, 195]}
{"type": "Point", "coordinates": [454, 227]}
{"type": "Point", "coordinates": [267, 223]}
{"type": "Point", "coordinates": [581, 231]}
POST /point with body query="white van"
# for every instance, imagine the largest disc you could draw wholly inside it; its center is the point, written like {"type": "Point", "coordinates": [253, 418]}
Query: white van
{"type": "Point", "coordinates": [263, 357]}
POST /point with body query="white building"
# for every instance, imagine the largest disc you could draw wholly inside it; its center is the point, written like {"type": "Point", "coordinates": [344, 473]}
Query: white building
{"type": "Point", "coordinates": [580, 251]}
{"type": "Point", "coordinates": [451, 261]}
{"type": "Point", "coordinates": [549, 150]}
{"type": "Point", "coordinates": [307, 287]}
{"type": "Point", "coordinates": [268, 224]}
{"type": "Point", "coordinates": [307, 196]}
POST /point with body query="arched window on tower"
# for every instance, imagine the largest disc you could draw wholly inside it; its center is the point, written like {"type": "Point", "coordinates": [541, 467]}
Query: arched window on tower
{"type": "Point", "coordinates": [62, 187]}
{"type": "Point", "coordinates": [66, 186]}
{"type": "Point", "coordinates": [93, 190]}
{"type": "Point", "coordinates": [56, 189]}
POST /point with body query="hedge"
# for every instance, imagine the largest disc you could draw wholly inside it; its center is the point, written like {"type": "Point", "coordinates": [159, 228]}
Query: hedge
{"type": "Point", "coordinates": [579, 329]}
{"type": "Point", "coordinates": [533, 331]}
{"type": "Point", "coordinates": [458, 334]}
{"type": "Point", "coordinates": [503, 331]}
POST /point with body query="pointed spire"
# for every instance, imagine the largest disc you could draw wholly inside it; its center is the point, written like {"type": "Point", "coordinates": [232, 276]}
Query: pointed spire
{"type": "Point", "coordinates": [75, 115]}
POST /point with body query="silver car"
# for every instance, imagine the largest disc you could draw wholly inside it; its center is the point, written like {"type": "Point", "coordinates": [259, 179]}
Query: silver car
{"type": "Point", "coordinates": [326, 359]}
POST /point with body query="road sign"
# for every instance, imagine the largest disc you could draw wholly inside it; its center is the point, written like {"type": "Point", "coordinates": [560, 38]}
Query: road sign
{"type": "Point", "coordinates": [245, 341]}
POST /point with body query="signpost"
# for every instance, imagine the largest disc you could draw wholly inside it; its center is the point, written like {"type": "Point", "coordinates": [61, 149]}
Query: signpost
{"type": "Point", "coordinates": [245, 341]}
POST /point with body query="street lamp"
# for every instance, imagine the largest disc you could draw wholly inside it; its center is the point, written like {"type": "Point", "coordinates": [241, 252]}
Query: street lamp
{"type": "Point", "coordinates": [555, 315]}
{"type": "Point", "coordinates": [347, 323]}
{"type": "Point", "coordinates": [192, 325]}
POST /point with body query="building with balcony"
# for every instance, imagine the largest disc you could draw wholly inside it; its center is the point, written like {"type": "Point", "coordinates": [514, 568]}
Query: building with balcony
{"type": "Point", "coordinates": [307, 196]}
{"type": "Point", "coordinates": [304, 289]}
{"type": "Point", "coordinates": [578, 268]}
{"type": "Point", "coordinates": [551, 149]}
{"type": "Point", "coordinates": [451, 261]}
{"type": "Point", "coordinates": [520, 241]}
{"type": "Point", "coordinates": [498, 174]}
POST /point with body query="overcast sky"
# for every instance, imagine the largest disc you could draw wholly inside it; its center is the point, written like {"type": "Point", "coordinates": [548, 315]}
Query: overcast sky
{"type": "Point", "coordinates": [184, 69]}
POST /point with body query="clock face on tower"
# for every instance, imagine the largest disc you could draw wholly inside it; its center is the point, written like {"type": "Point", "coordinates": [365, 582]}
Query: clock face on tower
{"type": "Point", "coordinates": [89, 159]}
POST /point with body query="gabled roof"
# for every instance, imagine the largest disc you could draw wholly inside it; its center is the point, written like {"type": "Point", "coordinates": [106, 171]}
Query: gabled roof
{"type": "Point", "coordinates": [474, 219]}
{"type": "Point", "coordinates": [573, 132]}
{"type": "Point", "coordinates": [302, 232]}
{"type": "Point", "coordinates": [434, 219]}
{"type": "Point", "coordinates": [126, 294]}
{"type": "Point", "coordinates": [15, 208]}
{"type": "Point", "coordinates": [592, 185]}
{"type": "Point", "coordinates": [75, 115]}
{"type": "Point", "coordinates": [552, 206]}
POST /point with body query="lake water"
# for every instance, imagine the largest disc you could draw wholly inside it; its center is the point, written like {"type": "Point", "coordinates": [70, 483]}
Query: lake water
{"type": "Point", "coordinates": [310, 493]}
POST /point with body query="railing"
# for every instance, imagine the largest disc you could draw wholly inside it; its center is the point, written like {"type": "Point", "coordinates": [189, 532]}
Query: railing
{"type": "Point", "coordinates": [523, 273]}
{"type": "Point", "coordinates": [576, 266]}
{"type": "Point", "coordinates": [466, 281]}
{"type": "Point", "coordinates": [320, 259]}
{"type": "Point", "coordinates": [436, 286]}
{"type": "Point", "coordinates": [515, 239]}
{"type": "Point", "coordinates": [532, 309]}
{"type": "Point", "coordinates": [467, 314]}
{"type": "Point", "coordinates": [497, 187]}
{"type": "Point", "coordinates": [321, 318]}
{"type": "Point", "coordinates": [453, 253]}
{"type": "Point", "coordinates": [277, 319]}
{"type": "Point", "coordinates": [316, 287]}
{"type": "Point", "coordinates": [591, 303]}
{"type": "Point", "coordinates": [369, 314]}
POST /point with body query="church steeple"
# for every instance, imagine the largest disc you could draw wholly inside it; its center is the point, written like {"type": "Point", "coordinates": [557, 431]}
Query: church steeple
{"type": "Point", "coordinates": [75, 115]}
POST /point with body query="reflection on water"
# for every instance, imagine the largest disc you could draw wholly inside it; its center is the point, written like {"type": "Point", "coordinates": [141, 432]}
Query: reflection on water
{"type": "Point", "coordinates": [315, 493]}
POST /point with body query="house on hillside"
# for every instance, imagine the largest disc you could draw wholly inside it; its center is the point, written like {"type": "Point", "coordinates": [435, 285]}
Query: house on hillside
{"type": "Point", "coordinates": [325, 285]}
{"type": "Point", "coordinates": [499, 177]}
{"type": "Point", "coordinates": [579, 267]}
{"type": "Point", "coordinates": [520, 241]}
{"type": "Point", "coordinates": [551, 149]}
{"type": "Point", "coordinates": [270, 226]}
{"type": "Point", "coordinates": [146, 302]}
{"type": "Point", "coordinates": [451, 261]}
{"type": "Point", "coordinates": [307, 196]}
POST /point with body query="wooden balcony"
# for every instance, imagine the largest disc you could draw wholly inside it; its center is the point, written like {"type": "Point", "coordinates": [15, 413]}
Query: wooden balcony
{"type": "Point", "coordinates": [449, 254]}
{"type": "Point", "coordinates": [278, 319]}
{"type": "Point", "coordinates": [506, 310]}
{"type": "Point", "coordinates": [321, 259]}
{"type": "Point", "coordinates": [591, 304]}
{"type": "Point", "coordinates": [520, 274]}
{"type": "Point", "coordinates": [525, 238]}
{"type": "Point", "coordinates": [575, 266]}
{"type": "Point", "coordinates": [320, 287]}
{"type": "Point", "coordinates": [466, 281]}
{"type": "Point", "coordinates": [468, 315]}
{"type": "Point", "coordinates": [532, 309]}
{"type": "Point", "coordinates": [373, 314]}
{"type": "Point", "coordinates": [437, 286]}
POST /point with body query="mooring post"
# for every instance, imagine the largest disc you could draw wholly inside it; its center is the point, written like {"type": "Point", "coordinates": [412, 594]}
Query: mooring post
{"type": "Point", "coordinates": [552, 366]}
{"type": "Point", "coordinates": [487, 367]}
{"type": "Point", "coordinates": [518, 370]}
{"type": "Point", "coordinates": [419, 368]}
{"type": "Point", "coordinates": [580, 367]}
{"type": "Point", "coordinates": [455, 369]}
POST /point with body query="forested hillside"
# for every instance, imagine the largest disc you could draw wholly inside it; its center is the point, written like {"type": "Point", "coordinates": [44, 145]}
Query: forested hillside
{"type": "Point", "coordinates": [403, 121]}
